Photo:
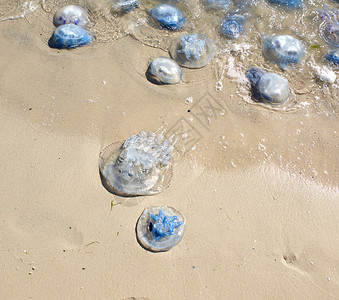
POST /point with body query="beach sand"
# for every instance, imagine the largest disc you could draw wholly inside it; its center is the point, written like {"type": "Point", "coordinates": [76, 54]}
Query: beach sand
{"type": "Point", "coordinates": [258, 187]}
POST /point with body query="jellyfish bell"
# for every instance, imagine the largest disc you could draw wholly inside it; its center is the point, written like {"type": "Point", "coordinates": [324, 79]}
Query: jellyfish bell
{"type": "Point", "coordinates": [70, 14]}
{"type": "Point", "coordinates": [124, 6]}
{"type": "Point", "coordinates": [333, 58]}
{"type": "Point", "coordinates": [232, 26]}
{"type": "Point", "coordinates": [192, 50]}
{"type": "Point", "coordinates": [160, 228]}
{"type": "Point", "coordinates": [329, 27]}
{"type": "Point", "coordinates": [140, 166]}
{"type": "Point", "coordinates": [168, 16]}
{"type": "Point", "coordinates": [69, 36]}
{"type": "Point", "coordinates": [271, 88]}
{"type": "Point", "coordinates": [283, 50]}
{"type": "Point", "coordinates": [163, 70]}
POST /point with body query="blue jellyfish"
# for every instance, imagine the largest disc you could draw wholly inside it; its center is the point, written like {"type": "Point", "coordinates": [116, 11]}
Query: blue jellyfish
{"type": "Point", "coordinates": [192, 50]}
{"type": "Point", "coordinates": [268, 87]}
{"type": "Point", "coordinates": [329, 27]}
{"type": "Point", "coordinates": [291, 4]}
{"type": "Point", "coordinates": [124, 5]}
{"type": "Point", "coordinates": [70, 14]}
{"type": "Point", "coordinates": [69, 36]}
{"type": "Point", "coordinates": [283, 50]}
{"type": "Point", "coordinates": [168, 16]}
{"type": "Point", "coordinates": [160, 228]}
{"type": "Point", "coordinates": [333, 57]}
{"type": "Point", "coordinates": [232, 26]}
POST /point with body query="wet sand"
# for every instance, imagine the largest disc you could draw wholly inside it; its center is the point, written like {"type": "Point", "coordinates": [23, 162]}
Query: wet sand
{"type": "Point", "coordinates": [258, 187]}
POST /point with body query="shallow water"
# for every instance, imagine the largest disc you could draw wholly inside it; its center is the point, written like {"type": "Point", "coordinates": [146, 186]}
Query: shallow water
{"type": "Point", "coordinates": [233, 57]}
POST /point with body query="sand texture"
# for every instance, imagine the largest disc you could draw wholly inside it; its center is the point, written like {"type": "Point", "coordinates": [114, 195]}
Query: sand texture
{"type": "Point", "coordinates": [258, 187]}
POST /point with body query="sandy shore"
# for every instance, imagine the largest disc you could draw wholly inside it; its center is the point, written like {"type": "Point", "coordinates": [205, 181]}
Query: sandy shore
{"type": "Point", "coordinates": [258, 188]}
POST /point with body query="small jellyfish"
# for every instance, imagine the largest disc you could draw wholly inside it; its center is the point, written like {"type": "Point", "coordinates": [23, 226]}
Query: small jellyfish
{"type": "Point", "coordinates": [160, 228]}
{"type": "Point", "coordinates": [70, 14]}
{"type": "Point", "coordinates": [192, 50]}
{"type": "Point", "coordinates": [268, 87]}
{"type": "Point", "coordinates": [141, 166]}
{"type": "Point", "coordinates": [333, 57]}
{"type": "Point", "coordinates": [124, 5]}
{"type": "Point", "coordinates": [290, 4]}
{"type": "Point", "coordinates": [168, 16]}
{"type": "Point", "coordinates": [283, 50]}
{"type": "Point", "coordinates": [163, 70]}
{"type": "Point", "coordinates": [232, 26]}
{"type": "Point", "coordinates": [329, 27]}
{"type": "Point", "coordinates": [69, 36]}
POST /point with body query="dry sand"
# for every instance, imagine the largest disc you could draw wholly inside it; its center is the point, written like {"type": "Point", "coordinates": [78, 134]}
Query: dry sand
{"type": "Point", "coordinates": [258, 189]}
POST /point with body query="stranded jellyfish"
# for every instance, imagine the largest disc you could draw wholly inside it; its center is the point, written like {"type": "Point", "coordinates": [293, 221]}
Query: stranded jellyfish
{"type": "Point", "coordinates": [290, 4]}
{"type": "Point", "coordinates": [70, 14]}
{"type": "Point", "coordinates": [268, 87]}
{"type": "Point", "coordinates": [160, 228]}
{"type": "Point", "coordinates": [163, 70]}
{"type": "Point", "coordinates": [124, 5]}
{"type": "Point", "coordinates": [333, 57]}
{"type": "Point", "coordinates": [329, 27]}
{"type": "Point", "coordinates": [192, 50]}
{"type": "Point", "coordinates": [232, 26]}
{"type": "Point", "coordinates": [69, 36]}
{"type": "Point", "coordinates": [168, 16]}
{"type": "Point", "coordinates": [140, 166]}
{"type": "Point", "coordinates": [283, 50]}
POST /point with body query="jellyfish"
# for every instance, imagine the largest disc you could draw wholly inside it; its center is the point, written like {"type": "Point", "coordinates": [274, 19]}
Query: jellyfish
{"type": "Point", "coordinates": [268, 87]}
{"type": "Point", "coordinates": [70, 14]}
{"type": "Point", "coordinates": [168, 16]}
{"type": "Point", "coordinates": [192, 50]}
{"type": "Point", "coordinates": [329, 27]}
{"type": "Point", "coordinates": [124, 5]}
{"type": "Point", "coordinates": [290, 4]}
{"type": "Point", "coordinates": [232, 26]}
{"type": "Point", "coordinates": [140, 166]}
{"type": "Point", "coordinates": [70, 36]}
{"type": "Point", "coordinates": [333, 57]}
{"type": "Point", "coordinates": [284, 50]}
{"type": "Point", "coordinates": [160, 228]}
{"type": "Point", "coordinates": [163, 70]}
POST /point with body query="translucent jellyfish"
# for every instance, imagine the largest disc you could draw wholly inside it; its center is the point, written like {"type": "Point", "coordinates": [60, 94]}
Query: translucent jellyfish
{"type": "Point", "coordinates": [69, 36]}
{"type": "Point", "coordinates": [168, 16]}
{"type": "Point", "coordinates": [232, 26]}
{"type": "Point", "coordinates": [124, 5]}
{"type": "Point", "coordinates": [141, 166]}
{"type": "Point", "coordinates": [329, 27]}
{"type": "Point", "coordinates": [192, 50]}
{"type": "Point", "coordinates": [160, 228]}
{"type": "Point", "coordinates": [268, 87]}
{"type": "Point", "coordinates": [217, 4]}
{"type": "Point", "coordinates": [70, 14]}
{"type": "Point", "coordinates": [164, 70]}
{"type": "Point", "coordinates": [291, 4]}
{"type": "Point", "coordinates": [283, 50]}
{"type": "Point", "coordinates": [333, 57]}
